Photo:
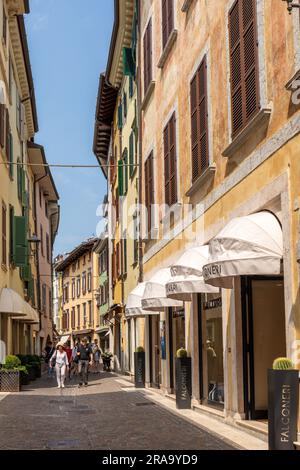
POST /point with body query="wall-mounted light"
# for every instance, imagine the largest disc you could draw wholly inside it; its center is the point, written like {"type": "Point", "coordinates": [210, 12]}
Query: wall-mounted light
{"type": "Point", "coordinates": [34, 240]}
{"type": "Point", "coordinates": [291, 4]}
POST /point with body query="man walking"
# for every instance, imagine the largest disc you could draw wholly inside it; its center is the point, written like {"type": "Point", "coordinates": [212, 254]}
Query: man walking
{"type": "Point", "coordinates": [85, 357]}
{"type": "Point", "coordinates": [96, 356]}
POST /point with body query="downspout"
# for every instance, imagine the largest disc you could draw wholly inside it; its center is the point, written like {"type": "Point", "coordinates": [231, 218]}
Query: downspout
{"type": "Point", "coordinates": [140, 137]}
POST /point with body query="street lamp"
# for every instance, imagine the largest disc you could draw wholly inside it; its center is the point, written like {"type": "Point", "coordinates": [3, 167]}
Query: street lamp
{"type": "Point", "coordinates": [290, 5]}
{"type": "Point", "coordinates": [35, 241]}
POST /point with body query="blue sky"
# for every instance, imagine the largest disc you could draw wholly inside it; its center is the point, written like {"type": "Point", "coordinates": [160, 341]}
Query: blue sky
{"type": "Point", "coordinates": [68, 45]}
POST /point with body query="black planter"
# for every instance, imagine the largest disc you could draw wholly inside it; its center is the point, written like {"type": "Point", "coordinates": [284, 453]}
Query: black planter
{"type": "Point", "coordinates": [139, 369]}
{"type": "Point", "coordinates": [106, 364]}
{"type": "Point", "coordinates": [24, 378]}
{"type": "Point", "coordinates": [283, 400]}
{"type": "Point", "coordinates": [183, 382]}
{"type": "Point", "coordinates": [31, 373]}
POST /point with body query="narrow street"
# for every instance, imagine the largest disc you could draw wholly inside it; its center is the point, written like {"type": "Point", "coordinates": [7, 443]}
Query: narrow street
{"type": "Point", "coordinates": [109, 414]}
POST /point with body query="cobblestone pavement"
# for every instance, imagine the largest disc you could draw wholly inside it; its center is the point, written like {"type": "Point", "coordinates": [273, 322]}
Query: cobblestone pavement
{"type": "Point", "coordinates": [109, 414]}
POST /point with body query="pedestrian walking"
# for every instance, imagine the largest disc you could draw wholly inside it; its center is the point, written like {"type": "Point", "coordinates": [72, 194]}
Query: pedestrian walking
{"type": "Point", "coordinates": [59, 360]}
{"type": "Point", "coordinates": [48, 352]}
{"type": "Point", "coordinates": [96, 356]}
{"type": "Point", "coordinates": [69, 355]}
{"type": "Point", "coordinates": [85, 358]}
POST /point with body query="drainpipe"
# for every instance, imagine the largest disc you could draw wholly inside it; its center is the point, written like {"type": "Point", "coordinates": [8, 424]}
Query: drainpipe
{"type": "Point", "coordinates": [140, 137]}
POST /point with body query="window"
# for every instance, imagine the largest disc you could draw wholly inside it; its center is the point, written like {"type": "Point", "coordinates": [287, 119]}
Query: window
{"type": "Point", "coordinates": [84, 314]}
{"type": "Point", "coordinates": [83, 261]}
{"type": "Point", "coordinates": [73, 318]}
{"type": "Point", "coordinates": [120, 116]}
{"type": "Point", "coordinates": [91, 319]}
{"type": "Point", "coordinates": [243, 64]}
{"type": "Point", "coordinates": [78, 286]}
{"type": "Point", "coordinates": [170, 162]}
{"type": "Point", "coordinates": [48, 247]}
{"type": "Point", "coordinates": [132, 154]}
{"type": "Point", "coordinates": [78, 263]}
{"type": "Point", "coordinates": [148, 56]}
{"type": "Point", "coordinates": [78, 316]}
{"type": "Point", "coordinates": [125, 171]}
{"type": "Point", "coordinates": [4, 27]}
{"type": "Point", "coordinates": [131, 87]}
{"type": "Point", "coordinates": [118, 260]}
{"type": "Point", "coordinates": [103, 261]}
{"type": "Point", "coordinates": [135, 240]}
{"type": "Point", "coordinates": [73, 288]}
{"type": "Point", "coordinates": [11, 233]}
{"type": "Point", "coordinates": [50, 303]}
{"type": "Point", "coordinates": [89, 281]}
{"type": "Point", "coordinates": [124, 254]}
{"type": "Point", "coordinates": [84, 283]}
{"type": "Point", "coordinates": [149, 189]}
{"type": "Point", "coordinates": [42, 240]}
{"type": "Point", "coordinates": [44, 298]}
{"type": "Point", "coordinates": [167, 20]}
{"type": "Point", "coordinates": [199, 127]}
{"type": "Point", "coordinates": [4, 247]}
{"type": "Point", "coordinates": [2, 125]}
{"type": "Point", "coordinates": [7, 135]}
{"type": "Point", "coordinates": [125, 104]}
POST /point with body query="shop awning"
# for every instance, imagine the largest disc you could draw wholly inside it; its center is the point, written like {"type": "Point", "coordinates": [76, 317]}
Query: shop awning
{"type": "Point", "coordinates": [191, 262]}
{"type": "Point", "coordinates": [81, 332]}
{"type": "Point", "coordinates": [134, 302]}
{"type": "Point", "coordinates": [155, 297]}
{"type": "Point", "coordinates": [12, 303]}
{"type": "Point", "coordinates": [64, 339]}
{"type": "Point", "coordinates": [250, 245]}
{"type": "Point", "coordinates": [31, 316]}
{"type": "Point", "coordinates": [182, 287]}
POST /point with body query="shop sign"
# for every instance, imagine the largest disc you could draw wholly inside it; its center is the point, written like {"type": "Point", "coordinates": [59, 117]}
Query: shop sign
{"type": "Point", "coordinates": [212, 271]}
{"type": "Point", "coordinates": [211, 304]}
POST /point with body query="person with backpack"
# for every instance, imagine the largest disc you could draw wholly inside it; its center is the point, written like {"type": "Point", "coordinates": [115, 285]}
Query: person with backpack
{"type": "Point", "coordinates": [59, 360]}
{"type": "Point", "coordinates": [85, 358]}
{"type": "Point", "coordinates": [96, 356]}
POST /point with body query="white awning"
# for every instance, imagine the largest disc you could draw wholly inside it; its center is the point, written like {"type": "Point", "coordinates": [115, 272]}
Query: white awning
{"type": "Point", "coordinates": [64, 339]}
{"type": "Point", "coordinates": [12, 303]}
{"type": "Point", "coordinates": [191, 262]}
{"type": "Point", "coordinates": [182, 287]}
{"type": "Point", "coordinates": [250, 245]}
{"type": "Point", "coordinates": [31, 315]}
{"type": "Point", "coordinates": [134, 302]}
{"type": "Point", "coordinates": [155, 296]}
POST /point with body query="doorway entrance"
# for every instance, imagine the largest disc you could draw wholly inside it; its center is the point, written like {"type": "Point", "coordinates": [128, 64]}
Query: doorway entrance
{"type": "Point", "coordinates": [155, 355]}
{"type": "Point", "coordinates": [264, 338]}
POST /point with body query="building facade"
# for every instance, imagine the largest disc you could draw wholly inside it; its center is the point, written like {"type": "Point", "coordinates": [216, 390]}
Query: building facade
{"type": "Point", "coordinates": [20, 326]}
{"type": "Point", "coordinates": [78, 274]}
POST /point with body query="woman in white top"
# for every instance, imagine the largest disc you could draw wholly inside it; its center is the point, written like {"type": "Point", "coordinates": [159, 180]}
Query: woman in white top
{"type": "Point", "coordinates": [60, 359]}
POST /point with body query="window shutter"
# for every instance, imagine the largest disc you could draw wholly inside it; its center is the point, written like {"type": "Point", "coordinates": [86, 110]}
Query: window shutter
{"type": "Point", "coordinates": [148, 56]}
{"type": "Point", "coordinates": [170, 162]}
{"type": "Point", "coordinates": [2, 125]}
{"type": "Point", "coordinates": [167, 20]}
{"type": "Point", "coordinates": [11, 156]}
{"type": "Point", "coordinates": [7, 136]}
{"type": "Point", "coordinates": [243, 63]}
{"type": "Point", "coordinates": [120, 178]}
{"type": "Point", "coordinates": [149, 189]}
{"type": "Point", "coordinates": [125, 168]}
{"type": "Point", "coordinates": [199, 122]}
{"type": "Point", "coordinates": [26, 273]}
{"type": "Point", "coordinates": [128, 62]}
{"type": "Point", "coordinates": [20, 241]}
{"type": "Point", "coordinates": [120, 117]}
{"type": "Point", "coordinates": [131, 154]}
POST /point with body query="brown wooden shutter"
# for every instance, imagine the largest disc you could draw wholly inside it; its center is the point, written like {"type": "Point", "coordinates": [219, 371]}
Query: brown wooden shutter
{"type": "Point", "coordinates": [243, 63]}
{"type": "Point", "coordinates": [149, 189]}
{"type": "Point", "coordinates": [199, 121]}
{"type": "Point", "coordinates": [2, 125]}
{"type": "Point", "coordinates": [7, 136]}
{"type": "Point", "coordinates": [170, 162]}
{"type": "Point", "coordinates": [167, 20]}
{"type": "Point", "coordinates": [148, 56]}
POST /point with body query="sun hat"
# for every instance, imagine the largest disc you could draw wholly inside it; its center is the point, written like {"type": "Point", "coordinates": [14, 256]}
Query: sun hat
{"type": "Point", "coordinates": [60, 343]}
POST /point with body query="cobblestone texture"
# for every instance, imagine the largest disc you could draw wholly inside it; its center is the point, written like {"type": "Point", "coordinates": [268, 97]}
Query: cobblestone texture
{"type": "Point", "coordinates": [109, 414]}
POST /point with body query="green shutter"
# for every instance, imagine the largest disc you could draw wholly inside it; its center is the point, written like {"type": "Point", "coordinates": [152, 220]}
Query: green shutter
{"type": "Point", "coordinates": [131, 154]}
{"type": "Point", "coordinates": [120, 117]}
{"type": "Point", "coordinates": [125, 172]}
{"type": "Point", "coordinates": [26, 272]}
{"type": "Point", "coordinates": [20, 241]}
{"type": "Point", "coordinates": [11, 156]}
{"type": "Point", "coordinates": [120, 178]}
{"type": "Point", "coordinates": [130, 87]}
{"type": "Point", "coordinates": [31, 290]}
{"type": "Point", "coordinates": [128, 62]}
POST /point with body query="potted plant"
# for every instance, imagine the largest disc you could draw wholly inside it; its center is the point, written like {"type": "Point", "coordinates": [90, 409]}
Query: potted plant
{"type": "Point", "coordinates": [183, 373]}
{"type": "Point", "coordinates": [10, 375]}
{"type": "Point", "coordinates": [283, 403]}
{"type": "Point", "coordinates": [139, 367]}
{"type": "Point", "coordinates": [35, 362]}
{"type": "Point", "coordinates": [106, 358]}
{"type": "Point", "coordinates": [24, 375]}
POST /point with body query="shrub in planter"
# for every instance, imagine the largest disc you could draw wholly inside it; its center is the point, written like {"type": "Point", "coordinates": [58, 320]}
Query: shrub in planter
{"type": "Point", "coordinates": [106, 358]}
{"type": "Point", "coordinates": [24, 375]}
{"type": "Point", "coordinates": [283, 403]}
{"type": "Point", "coordinates": [11, 362]}
{"type": "Point", "coordinates": [183, 373]}
{"type": "Point", "coordinates": [37, 369]}
{"type": "Point", "coordinates": [10, 375]}
{"type": "Point", "coordinates": [139, 367]}
{"type": "Point", "coordinates": [31, 372]}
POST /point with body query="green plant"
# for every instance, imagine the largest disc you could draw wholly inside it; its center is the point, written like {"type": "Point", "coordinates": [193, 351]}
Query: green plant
{"type": "Point", "coordinates": [181, 352]}
{"type": "Point", "coordinates": [283, 363]}
{"type": "Point", "coordinates": [140, 349]}
{"type": "Point", "coordinates": [107, 355]}
{"type": "Point", "coordinates": [12, 362]}
{"type": "Point", "coordinates": [22, 369]}
{"type": "Point", "coordinates": [23, 358]}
